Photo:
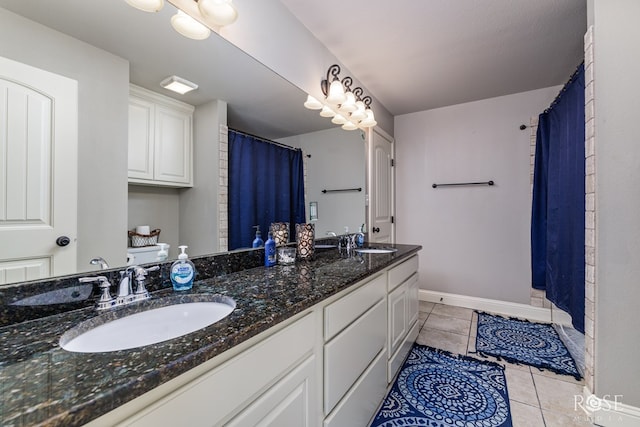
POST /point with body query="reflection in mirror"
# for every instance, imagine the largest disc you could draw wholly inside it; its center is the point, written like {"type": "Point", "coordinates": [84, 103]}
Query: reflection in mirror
{"type": "Point", "coordinates": [104, 46]}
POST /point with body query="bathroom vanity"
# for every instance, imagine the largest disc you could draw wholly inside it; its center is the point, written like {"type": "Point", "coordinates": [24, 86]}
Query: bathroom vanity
{"type": "Point", "coordinates": [314, 343]}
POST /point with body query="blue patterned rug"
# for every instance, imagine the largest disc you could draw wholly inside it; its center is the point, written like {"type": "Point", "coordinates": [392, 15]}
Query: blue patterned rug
{"type": "Point", "coordinates": [438, 389]}
{"type": "Point", "coordinates": [521, 341]}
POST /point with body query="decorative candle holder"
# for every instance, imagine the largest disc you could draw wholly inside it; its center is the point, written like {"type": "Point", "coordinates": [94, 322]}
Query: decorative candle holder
{"type": "Point", "coordinates": [280, 232]}
{"type": "Point", "coordinates": [305, 236]}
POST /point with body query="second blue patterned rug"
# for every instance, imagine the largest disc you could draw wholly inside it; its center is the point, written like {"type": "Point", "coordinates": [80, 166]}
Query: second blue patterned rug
{"type": "Point", "coordinates": [521, 341]}
{"type": "Point", "coordinates": [438, 389]}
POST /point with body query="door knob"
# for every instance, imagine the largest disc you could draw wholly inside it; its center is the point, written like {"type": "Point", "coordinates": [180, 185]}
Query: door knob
{"type": "Point", "coordinates": [63, 241]}
{"type": "Point", "coordinates": [376, 229]}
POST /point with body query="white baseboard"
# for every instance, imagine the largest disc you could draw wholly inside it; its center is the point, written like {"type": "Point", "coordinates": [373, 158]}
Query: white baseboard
{"type": "Point", "coordinates": [609, 411]}
{"type": "Point", "coordinates": [523, 311]}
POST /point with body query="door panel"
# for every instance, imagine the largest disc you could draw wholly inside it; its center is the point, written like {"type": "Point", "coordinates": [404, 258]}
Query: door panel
{"type": "Point", "coordinates": [38, 171]}
{"type": "Point", "coordinates": [381, 196]}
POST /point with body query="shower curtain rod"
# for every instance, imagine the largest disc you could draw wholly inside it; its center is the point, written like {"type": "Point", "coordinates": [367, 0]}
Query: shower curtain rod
{"type": "Point", "coordinates": [434, 185]}
{"type": "Point", "coordinates": [279, 144]}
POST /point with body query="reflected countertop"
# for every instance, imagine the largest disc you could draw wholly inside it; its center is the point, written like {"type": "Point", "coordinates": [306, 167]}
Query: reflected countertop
{"type": "Point", "coordinates": [42, 384]}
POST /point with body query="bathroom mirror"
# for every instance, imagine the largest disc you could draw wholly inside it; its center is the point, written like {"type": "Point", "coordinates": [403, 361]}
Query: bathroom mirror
{"type": "Point", "coordinates": [146, 47]}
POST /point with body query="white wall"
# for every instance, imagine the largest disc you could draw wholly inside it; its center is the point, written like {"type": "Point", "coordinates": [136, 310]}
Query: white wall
{"type": "Point", "coordinates": [475, 239]}
{"type": "Point", "coordinates": [199, 205]}
{"type": "Point", "coordinates": [337, 161]}
{"type": "Point", "coordinates": [617, 147]}
{"type": "Point", "coordinates": [103, 96]}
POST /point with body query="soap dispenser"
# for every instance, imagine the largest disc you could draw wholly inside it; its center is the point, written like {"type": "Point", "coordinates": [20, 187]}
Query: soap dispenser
{"type": "Point", "coordinates": [182, 271]}
{"type": "Point", "coordinates": [257, 242]}
{"type": "Point", "coordinates": [270, 251]}
{"type": "Point", "coordinates": [360, 237]}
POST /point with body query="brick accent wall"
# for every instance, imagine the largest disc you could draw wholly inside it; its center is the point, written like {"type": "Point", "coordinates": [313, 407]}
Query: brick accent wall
{"type": "Point", "coordinates": [590, 212]}
{"type": "Point", "coordinates": [223, 190]}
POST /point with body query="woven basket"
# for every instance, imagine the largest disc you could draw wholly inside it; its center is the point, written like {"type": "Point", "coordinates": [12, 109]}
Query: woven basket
{"type": "Point", "coordinates": [139, 240]}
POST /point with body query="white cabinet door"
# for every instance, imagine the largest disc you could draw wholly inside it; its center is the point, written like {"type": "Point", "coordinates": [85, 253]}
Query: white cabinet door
{"type": "Point", "coordinates": [290, 402]}
{"type": "Point", "coordinates": [172, 161]}
{"type": "Point", "coordinates": [412, 300]}
{"type": "Point", "coordinates": [141, 138]}
{"type": "Point", "coordinates": [160, 140]}
{"type": "Point", "coordinates": [397, 317]}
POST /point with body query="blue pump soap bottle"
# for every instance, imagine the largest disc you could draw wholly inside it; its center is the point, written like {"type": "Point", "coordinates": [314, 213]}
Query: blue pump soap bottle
{"type": "Point", "coordinates": [182, 271]}
{"type": "Point", "coordinates": [270, 251]}
{"type": "Point", "coordinates": [257, 242]}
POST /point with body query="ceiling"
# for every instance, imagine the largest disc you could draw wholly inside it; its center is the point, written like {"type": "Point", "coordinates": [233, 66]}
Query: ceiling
{"type": "Point", "coordinates": [411, 55]}
{"type": "Point", "coordinates": [258, 100]}
{"type": "Point", "coordinates": [422, 54]}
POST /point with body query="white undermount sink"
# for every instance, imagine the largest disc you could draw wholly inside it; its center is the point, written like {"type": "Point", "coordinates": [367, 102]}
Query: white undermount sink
{"type": "Point", "coordinates": [376, 250]}
{"type": "Point", "coordinates": [102, 334]}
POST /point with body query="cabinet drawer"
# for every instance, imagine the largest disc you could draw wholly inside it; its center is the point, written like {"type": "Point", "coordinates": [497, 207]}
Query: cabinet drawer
{"type": "Point", "coordinates": [360, 404]}
{"type": "Point", "coordinates": [341, 313]}
{"type": "Point", "coordinates": [347, 356]}
{"type": "Point", "coordinates": [400, 273]}
{"type": "Point", "coordinates": [215, 396]}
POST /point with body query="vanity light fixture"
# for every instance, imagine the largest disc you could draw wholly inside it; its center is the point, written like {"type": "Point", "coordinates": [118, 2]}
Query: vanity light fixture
{"type": "Point", "coordinates": [345, 106]}
{"type": "Point", "coordinates": [189, 27]}
{"type": "Point", "coordinates": [147, 5]}
{"type": "Point", "coordinates": [197, 24]}
{"type": "Point", "coordinates": [178, 85]}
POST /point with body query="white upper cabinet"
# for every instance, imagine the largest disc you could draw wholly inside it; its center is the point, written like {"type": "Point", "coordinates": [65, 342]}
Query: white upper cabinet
{"type": "Point", "coordinates": [160, 140]}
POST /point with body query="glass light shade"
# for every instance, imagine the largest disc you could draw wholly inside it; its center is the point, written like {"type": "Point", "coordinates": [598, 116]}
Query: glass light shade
{"type": "Point", "coordinates": [189, 27]}
{"type": "Point", "coordinates": [147, 5]}
{"type": "Point", "coordinates": [327, 112]}
{"type": "Point", "coordinates": [359, 114]}
{"type": "Point", "coordinates": [312, 104]}
{"type": "Point", "coordinates": [369, 121]}
{"type": "Point", "coordinates": [349, 126]}
{"type": "Point", "coordinates": [218, 12]}
{"type": "Point", "coordinates": [338, 120]}
{"type": "Point", "coordinates": [349, 105]}
{"type": "Point", "coordinates": [336, 93]}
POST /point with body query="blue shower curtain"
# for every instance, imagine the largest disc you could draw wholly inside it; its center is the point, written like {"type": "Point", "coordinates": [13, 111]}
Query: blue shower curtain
{"type": "Point", "coordinates": [266, 184]}
{"type": "Point", "coordinates": [558, 210]}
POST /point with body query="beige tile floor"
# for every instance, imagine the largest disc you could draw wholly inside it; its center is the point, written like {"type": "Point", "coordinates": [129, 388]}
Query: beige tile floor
{"type": "Point", "coordinates": [537, 398]}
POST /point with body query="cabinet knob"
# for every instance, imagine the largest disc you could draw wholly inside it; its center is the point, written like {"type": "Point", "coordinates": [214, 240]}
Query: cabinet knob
{"type": "Point", "coordinates": [376, 229]}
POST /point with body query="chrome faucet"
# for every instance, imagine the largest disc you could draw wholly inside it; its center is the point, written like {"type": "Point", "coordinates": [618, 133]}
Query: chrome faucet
{"type": "Point", "coordinates": [125, 292]}
{"type": "Point", "coordinates": [99, 261]}
{"type": "Point", "coordinates": [331, 233]}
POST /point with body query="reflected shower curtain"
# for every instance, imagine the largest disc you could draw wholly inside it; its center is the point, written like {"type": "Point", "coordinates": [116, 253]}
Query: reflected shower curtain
{"type": "Point", "coordinates": [266, 184]}
{"type": "Point", "coordinates": [558, 209]}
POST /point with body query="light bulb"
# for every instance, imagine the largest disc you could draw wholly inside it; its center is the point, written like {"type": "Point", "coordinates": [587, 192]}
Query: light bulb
{"type": "Point", "coordinates": [370, 120]}
{"type": "Point", "coordinates": [349, 126]}
{"type": "Point", "coordinates": [359, 114]}
{"type": "Point", "coordinates": [327, 112]}
{"type": "Point", "coordinates": [349, 104]}
{"type": "Point", "coordinates": [147, 5]}
{"type": "Point", "coordinates": [338, 120]}
{"type": "Point", "coordinates": [218, 12]}
{"type": "Point", "coordinates": [336, 93]}
{"type": "Point", "coordinates": [189, 27]}
{"type": "Point", "coordinates": [312, 103]}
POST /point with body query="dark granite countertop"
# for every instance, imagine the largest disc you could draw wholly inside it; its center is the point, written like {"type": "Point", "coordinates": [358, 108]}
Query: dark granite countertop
{"type": "Point", "coordinates": [42, 384]}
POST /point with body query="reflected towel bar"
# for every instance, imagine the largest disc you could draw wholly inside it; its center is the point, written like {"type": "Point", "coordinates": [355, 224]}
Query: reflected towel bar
{"type": "Point", "coordinates": [341, 190]}
{"type": "Point", "coordinates": [462, 183]}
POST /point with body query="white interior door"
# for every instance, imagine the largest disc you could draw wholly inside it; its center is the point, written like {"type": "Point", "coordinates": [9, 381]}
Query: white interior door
{"type": "Point", "coordinates": [381, 191]}
{"type": "Point", "coordinates": [38, 172]}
